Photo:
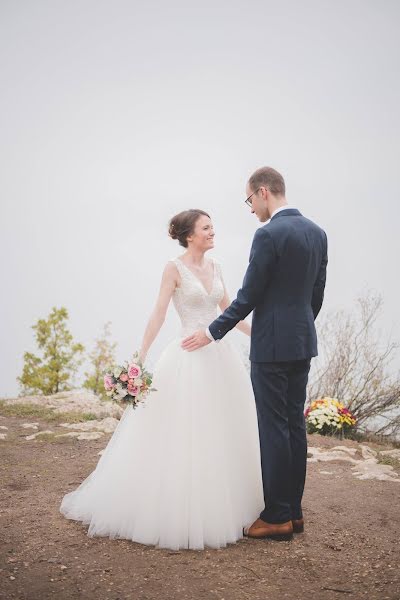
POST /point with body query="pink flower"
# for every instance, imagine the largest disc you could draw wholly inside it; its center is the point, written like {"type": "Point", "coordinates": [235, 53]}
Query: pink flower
{"type": "Point", "coordinates": [133, 389]}
{"type": "Point", "coordinates": [123, 377]}
{"type": "Point", "coordinates": [108, 382]}
{"type": "Point", "coordinates": [134, 371]}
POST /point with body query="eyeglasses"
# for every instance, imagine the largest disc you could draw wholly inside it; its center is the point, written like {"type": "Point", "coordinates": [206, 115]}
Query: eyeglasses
{"type": "Point", "coordinates": [248, 200]}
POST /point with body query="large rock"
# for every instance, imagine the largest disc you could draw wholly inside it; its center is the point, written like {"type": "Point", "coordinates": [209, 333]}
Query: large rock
{"type": "Point", "coordinates": [79, 400]}
{"type": "Point", "coordinates": [366, 467]}
{"type": "Point", "coordinates": [395, 453]}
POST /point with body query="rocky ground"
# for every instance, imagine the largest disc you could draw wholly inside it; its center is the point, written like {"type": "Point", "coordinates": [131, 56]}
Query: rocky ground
{"type": "Point", "coordinates": [350, 547]}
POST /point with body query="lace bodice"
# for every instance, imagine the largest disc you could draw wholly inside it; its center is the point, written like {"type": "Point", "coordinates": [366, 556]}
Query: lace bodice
{"type": "Point", "coordinates": [195, 306]}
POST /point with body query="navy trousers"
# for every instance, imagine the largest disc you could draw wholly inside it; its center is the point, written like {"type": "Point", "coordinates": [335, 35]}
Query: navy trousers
{"type": "Point", "coordinates": [280, 394]}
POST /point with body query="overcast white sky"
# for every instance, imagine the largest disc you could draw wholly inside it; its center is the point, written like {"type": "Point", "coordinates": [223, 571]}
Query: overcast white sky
{"type": "Point", "coordinates": [117, 114]}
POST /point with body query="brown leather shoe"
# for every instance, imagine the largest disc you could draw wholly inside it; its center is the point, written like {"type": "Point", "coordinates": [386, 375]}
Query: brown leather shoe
{"type": "Point", "coordinates": [298, 525]}
{"type": "Point", "coordinates": [275, 531]}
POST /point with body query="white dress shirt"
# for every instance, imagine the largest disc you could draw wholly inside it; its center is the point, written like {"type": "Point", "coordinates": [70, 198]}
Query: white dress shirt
{"type": "Point", "coordinates": [284, 207]}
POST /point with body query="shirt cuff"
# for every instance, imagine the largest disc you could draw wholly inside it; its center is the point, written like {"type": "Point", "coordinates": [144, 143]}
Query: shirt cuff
{"type": "Point", "coordinates": [208, 334]}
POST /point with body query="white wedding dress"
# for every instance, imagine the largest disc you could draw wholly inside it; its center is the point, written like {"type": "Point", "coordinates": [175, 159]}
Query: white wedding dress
{"type": "Point", "coordinates": [183, 469]}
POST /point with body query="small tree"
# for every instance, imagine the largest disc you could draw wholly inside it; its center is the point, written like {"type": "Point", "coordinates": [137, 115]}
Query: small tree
{"type": "Point", "coordinates": [354, 366]}
{"type": "Point", "coordinates": [101, 357]}
{"type": "Point", "coordinates": [60, 359]}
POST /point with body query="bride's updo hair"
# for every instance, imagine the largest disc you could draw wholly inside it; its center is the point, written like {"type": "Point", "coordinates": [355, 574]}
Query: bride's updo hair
{"type": "Point", "coordinates": [182, 225]}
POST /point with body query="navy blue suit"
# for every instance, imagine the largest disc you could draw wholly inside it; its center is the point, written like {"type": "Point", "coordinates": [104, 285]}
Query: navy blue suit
{"type": "Point", "coordinates": [284, 286]}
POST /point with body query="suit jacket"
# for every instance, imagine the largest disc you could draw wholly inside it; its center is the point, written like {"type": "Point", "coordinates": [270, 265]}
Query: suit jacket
{"type": "Point", "coordinates": [284, 286]}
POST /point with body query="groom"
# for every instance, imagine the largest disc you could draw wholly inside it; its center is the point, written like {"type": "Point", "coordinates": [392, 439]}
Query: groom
{"type": "Point", "coordinates": [284, 286]}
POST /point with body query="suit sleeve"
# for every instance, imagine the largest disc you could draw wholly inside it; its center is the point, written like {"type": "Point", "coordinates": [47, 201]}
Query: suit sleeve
{"type": "Point", "coordinates": [261, 266]}
{"type": "Point", "coordinates": [319, 286]}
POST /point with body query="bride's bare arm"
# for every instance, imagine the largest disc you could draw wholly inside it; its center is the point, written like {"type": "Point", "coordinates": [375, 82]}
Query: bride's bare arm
{"type": "Point", "coordinates": [242, 325]}
{"type": "Point", "coordinates": [169, 281]}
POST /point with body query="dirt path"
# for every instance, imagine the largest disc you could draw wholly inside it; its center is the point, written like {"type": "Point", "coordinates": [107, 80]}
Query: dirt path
{"type": "Point", "coordinates": [350, 547]}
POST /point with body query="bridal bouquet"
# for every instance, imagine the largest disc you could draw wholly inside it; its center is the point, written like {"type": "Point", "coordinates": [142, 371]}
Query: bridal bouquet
{"type": "Point", "coordinates": [129, 383]}
{"type": "Point", "coordinates": [328, 416]}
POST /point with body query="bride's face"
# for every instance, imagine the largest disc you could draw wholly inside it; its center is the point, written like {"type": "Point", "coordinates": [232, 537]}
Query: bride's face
{"type": "Point", "coordinates": [202, 237]}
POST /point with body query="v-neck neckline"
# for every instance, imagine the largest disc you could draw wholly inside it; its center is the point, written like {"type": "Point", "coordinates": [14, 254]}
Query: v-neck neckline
{"type": "Point", "coordinates": [198, 279]}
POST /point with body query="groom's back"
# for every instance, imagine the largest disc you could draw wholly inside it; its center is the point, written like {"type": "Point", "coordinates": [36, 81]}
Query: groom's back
{"type": "Point", "coordinates": [283, 321]}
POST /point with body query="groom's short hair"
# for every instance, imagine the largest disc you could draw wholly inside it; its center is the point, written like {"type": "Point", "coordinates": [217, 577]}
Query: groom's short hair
{"type": "Point", "coordinates": [268, 177]}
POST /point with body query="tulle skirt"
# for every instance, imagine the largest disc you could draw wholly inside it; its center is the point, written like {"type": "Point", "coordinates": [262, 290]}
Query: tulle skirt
{"type": "Point", "coordinates": [183, 469]}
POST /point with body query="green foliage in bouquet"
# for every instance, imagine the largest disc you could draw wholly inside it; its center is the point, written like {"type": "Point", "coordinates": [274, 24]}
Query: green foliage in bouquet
{"type": "Point", "coordinates": [129, 383]}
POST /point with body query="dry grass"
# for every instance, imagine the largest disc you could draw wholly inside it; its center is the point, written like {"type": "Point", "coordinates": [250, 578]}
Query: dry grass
{"type": "Point", "coordinates": [384, 459]}
{"type": "Point", "coordinates": [54, 437]}
{"type": "Point", "coordinates": [29, 410]}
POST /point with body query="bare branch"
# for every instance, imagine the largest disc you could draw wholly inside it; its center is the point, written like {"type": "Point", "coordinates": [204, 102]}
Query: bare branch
{"type": "Point", "coordinates": [355, 368]}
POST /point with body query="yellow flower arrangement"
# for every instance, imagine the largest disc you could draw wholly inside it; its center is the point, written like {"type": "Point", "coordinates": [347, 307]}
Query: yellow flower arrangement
{"type": "Point", "coordinates": [327, 416]}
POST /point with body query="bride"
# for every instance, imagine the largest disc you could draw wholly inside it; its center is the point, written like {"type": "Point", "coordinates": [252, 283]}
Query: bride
{"type": "Point", "coordinates": [182, 470]}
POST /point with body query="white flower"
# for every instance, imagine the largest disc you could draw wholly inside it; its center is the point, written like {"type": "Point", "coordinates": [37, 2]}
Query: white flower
{"type": "Point", "coordinates": [120, 391]}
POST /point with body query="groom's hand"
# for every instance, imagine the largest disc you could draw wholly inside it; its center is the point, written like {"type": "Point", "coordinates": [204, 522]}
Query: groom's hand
{"type": "Point", "coordinates": [195, 341]}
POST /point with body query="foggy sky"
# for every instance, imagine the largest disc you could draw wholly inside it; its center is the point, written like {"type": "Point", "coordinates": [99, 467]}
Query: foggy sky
{"type": "Point", "coordinates": [117, 115]}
